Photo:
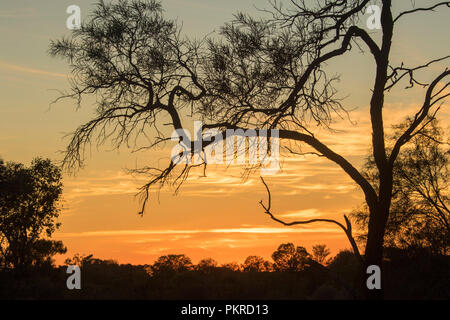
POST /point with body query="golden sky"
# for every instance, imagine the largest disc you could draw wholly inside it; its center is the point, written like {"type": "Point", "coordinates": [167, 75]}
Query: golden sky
{"type": "Point", "coordinates": [216, 216]}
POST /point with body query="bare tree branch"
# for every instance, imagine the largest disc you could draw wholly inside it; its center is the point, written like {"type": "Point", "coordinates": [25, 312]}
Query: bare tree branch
{"type": "Point", "coordinates": [347, 229]}
{"type": "Point", "coordinates": [446, 3]}
{"type": "Point", "coordinates": [418, 118]}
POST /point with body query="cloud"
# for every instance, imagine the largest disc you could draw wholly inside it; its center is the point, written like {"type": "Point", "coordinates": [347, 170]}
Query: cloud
{"type": "Point", "coordinates": [5, 65]}
{"type": "Point", "coordinates": [297, 177]}
{"type": "Point", "coordinates": [238, 230]}
{"type": "Point", "coordinates": [307, 213]}
{"type": "Point", "coordinates": [105, 183]}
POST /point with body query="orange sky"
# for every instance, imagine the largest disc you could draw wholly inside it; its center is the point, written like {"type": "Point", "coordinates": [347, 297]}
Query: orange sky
{"type": "Point", "coordinates": [218, 216]}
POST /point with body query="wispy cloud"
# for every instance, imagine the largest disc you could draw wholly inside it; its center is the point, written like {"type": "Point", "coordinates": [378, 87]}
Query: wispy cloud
{"type": "Point", "coordinates": [14, 67]}
{"type": "Point", "coordinates": [248, 230]}
{"type": "Point", "coordinates": [307, 213]}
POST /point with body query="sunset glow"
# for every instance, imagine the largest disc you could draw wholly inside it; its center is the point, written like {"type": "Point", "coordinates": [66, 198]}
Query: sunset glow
{"type": "Point", "coordinates": [217, 215]}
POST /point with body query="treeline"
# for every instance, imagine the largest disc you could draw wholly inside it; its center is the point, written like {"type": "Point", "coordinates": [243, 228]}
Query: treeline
{"type": "Point", "coordinates": [293, 274]}
{"type": "Point", "coordinates": [286, 258]}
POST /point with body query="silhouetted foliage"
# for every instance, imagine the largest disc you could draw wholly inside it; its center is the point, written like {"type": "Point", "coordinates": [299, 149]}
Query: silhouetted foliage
{"type": "Point", "coordinates": [106, 279]}
{"type": "Point", "coordinates": [170, 264]}
{"type": "Point", "coordinates": [206, 265]}
{"type": "Point", "coordinates": [346, 266]}
{"type": "Point", "coordinates": [84, 260]}
{"type": "Point", "coordinates": [320, 253]}
{"type": "Point", "coordinates": [416, 273]}
{"type": "Point", "coordinates": [420, 204]}
{"type": "Point", "coordinates": [289, 258]}
{"type": "Point", "coordinates": [231, 266]}
{"type": "Point", "coordinates": [256, 264]}
{"type": "Point", "coordinates": [136, 62]}
{"type": "Point", "coordinates": [29, 208]}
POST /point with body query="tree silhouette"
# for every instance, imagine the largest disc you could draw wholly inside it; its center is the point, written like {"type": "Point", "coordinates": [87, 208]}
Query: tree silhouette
{"type": "Point", "coordinates": [419, 212]}
{"type": "Point", "coordinates": [206, 265]}
{"type": "Point", "coordinates": [85, 260]}
{"type": "Point", "coordinates": [289, 258]}
{"type": "Point", "coordinates": [170, 264]}
{"type": "Point", "coordinates": [346, 265]}
{"type": "Point", "coordinates": [256, 264]}
{"type": "Point", "coordinates": [258, 74]}
{"type": "Point", "coordinates": [320, 253]}
{"type": "Point", "coordinates": [29, 208]}
{"type": "Point", "coordinates": [232, 266]}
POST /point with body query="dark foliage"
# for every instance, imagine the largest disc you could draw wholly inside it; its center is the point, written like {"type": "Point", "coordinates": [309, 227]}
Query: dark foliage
{"type": "Point", "coordinates": [29, 208]}
{"type": "Point", "coordinates": [409, 275]}
{"type": "Point", "coordinates": [420, 211]}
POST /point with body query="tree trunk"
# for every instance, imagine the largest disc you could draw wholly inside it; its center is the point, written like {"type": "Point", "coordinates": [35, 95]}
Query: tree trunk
{"type": "Point", "coordinates": [374, 249]}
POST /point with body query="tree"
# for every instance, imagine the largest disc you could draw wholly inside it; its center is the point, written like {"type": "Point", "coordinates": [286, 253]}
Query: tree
{"type": "Point", "coordinates": [29, 208]}
{"type": "Point", "coordinates": [320, 253]}
{"type": "Point", "coordinates": [83, 260]}
{"type": "Point", "coordinates": [345, 266]}
{"type": "Point", "coordinates": [256, 264]}
{"type": "Point", "coordinates": [289, 258]}
{"type": "Point", "coordinates": [231, 266]}
{"type": "Point", "coordinates": [171, 263]}
{"type": "Point", "coordinates": [260, 73]}
{"type": "Point", "coordinates": [206, 265]}
{"type": "Point", "coordinates": [419, 216]}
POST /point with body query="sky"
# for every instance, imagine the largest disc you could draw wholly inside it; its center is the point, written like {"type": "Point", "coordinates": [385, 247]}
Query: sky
{"type": "Point", "coordinates": [217, 216]}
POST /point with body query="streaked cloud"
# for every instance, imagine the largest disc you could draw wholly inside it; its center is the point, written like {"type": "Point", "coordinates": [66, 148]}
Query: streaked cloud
{"type": "Point", "coordinates": [28, 70]}
{"type": "Point", "coordinates": [307, 213]}
{"type": "Point", "coordinates": [250, 230]}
